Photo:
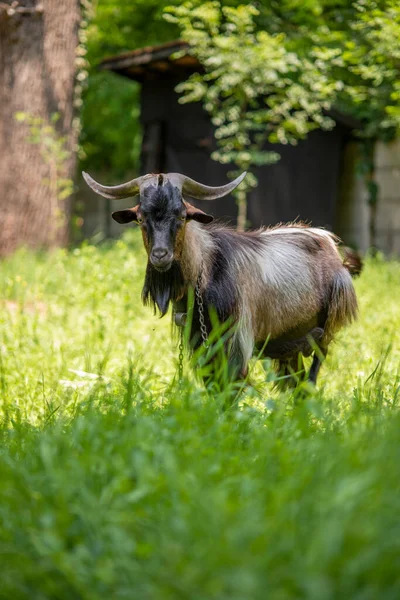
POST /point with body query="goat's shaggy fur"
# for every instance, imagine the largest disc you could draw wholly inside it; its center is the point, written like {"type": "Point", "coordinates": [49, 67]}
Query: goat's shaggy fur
{"type": "Point", "coordinates": [276, 284]}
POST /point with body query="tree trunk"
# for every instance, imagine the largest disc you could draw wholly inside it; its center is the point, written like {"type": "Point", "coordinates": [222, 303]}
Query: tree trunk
{"type": "Point", "coordinates": [38, 41]}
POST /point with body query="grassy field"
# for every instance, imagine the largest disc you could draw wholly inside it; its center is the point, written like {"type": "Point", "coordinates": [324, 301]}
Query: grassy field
{"type": "Point", "coordinates": [115, 484]}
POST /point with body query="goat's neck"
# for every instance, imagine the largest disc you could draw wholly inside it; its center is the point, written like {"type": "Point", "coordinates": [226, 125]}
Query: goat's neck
{"type": "Point", "coordinates": [196, 253]}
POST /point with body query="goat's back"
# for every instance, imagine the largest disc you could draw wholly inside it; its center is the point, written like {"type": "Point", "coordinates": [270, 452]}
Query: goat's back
{"type": "Point", "coordinates": [288, 275]}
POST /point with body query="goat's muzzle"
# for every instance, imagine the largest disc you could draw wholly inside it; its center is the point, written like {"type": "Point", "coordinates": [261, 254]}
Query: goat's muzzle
{"type": "Point", "coordinates": [161, 259]}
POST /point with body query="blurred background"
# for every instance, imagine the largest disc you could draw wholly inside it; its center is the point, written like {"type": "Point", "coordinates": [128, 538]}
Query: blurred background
{"type": "Point", "coordinates": [302, 94]}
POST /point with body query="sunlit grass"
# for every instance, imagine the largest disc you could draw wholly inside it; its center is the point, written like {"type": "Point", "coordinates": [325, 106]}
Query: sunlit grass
{"type": "Point", "coordinates": [115, 483]}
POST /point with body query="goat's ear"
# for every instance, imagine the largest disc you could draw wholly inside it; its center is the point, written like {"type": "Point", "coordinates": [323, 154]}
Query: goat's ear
{"type": "Point", "coordinates": [195, 214]}
{"type": "Point", "coordinates": [126, 216]}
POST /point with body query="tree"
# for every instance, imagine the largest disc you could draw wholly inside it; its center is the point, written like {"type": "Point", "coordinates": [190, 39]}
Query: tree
{"type": "Point", "coordinates": [38, 42]}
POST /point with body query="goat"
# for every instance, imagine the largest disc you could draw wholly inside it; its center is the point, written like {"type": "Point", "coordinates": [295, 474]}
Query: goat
{"type": "Point", "coordinates": [285, 289]}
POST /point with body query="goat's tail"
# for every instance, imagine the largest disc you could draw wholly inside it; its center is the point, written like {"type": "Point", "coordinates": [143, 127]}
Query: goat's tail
{"type": "Point", "coordinates": [352, 261]}
{"type": "Point", "coordinates": [342, 305]}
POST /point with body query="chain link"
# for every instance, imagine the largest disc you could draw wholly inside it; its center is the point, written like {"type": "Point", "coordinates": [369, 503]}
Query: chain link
{"type": "Point", "coordinates": [200, 304]}
{"type": "Point", "coordinates": [180, 321]}
{"type": "Point", "coordinates": [180, 357]}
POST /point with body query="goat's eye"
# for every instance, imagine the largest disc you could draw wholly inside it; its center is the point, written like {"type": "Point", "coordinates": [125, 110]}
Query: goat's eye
{"type": "Point", "coordinates": [139, 220]}
{"type": "Point", "coordinates": [182, 218]}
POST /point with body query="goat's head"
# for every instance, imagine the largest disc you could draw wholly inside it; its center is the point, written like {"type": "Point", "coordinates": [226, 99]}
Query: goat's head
{"type": "Point", "coordinates": [162, 212]}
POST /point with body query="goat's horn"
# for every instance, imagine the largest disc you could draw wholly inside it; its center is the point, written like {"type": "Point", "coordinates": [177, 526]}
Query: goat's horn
{"type": "Point", "coordinates": [203, 192]}
{"type": "Point", "coordinates": [125, 190]}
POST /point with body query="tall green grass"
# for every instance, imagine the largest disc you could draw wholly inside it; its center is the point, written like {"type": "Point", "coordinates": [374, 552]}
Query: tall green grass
{"type": "Point", "coordinates": [115, 483]}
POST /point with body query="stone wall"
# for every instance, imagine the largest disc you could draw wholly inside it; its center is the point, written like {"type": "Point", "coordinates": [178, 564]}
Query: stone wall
{"type": "Point", "coordinates": [387, 161]}
{"type": "Point", "coordinates": [353, 213]}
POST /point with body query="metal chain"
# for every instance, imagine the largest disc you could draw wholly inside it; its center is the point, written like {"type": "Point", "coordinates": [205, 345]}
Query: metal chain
{"type": "Point", "coordinates": [180, 357]}
{"type": "Point", "coordinates": [180, 320]}
{"type": "Point", "coordinates": [203, 328]}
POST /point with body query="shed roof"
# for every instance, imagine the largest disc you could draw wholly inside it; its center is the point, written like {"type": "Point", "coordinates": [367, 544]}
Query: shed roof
{"type": "Point", "coordinates": [151, 61]}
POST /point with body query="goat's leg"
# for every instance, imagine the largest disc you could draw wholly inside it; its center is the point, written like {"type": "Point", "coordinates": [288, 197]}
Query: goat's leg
{"type": "Point", "coordinates": [292, 370]}
{"type": "Point", "coordinates": [237, 373]}
{"type": "Point", "coordinates": [237, 366]}
{"type": "Point", "coordinates": [231, 382]}
{"type": "Point", "coordinates": [226, 372]}
{"type": "Point", "coordinates": [284, 350]}
{"type": "Point", "coordinates": [316, 364]}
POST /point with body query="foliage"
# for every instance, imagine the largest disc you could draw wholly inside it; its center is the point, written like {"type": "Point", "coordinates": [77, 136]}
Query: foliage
{"type": "Point", "coordinates": [111, 134]}
{"type": "Point", "coordinates": [296, 61]}
{"type": "Point", "coordinates": [114, 485]}
{"type": "Point", "coordinates": [262, 93]}
{"type": "Point", "coordinates": [294, 93]}
{"type": "Point", "coordinates": [364, 54]}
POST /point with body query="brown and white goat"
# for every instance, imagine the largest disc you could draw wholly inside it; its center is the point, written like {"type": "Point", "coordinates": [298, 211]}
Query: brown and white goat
{"type": "Point", "coordinates": [285, 289]}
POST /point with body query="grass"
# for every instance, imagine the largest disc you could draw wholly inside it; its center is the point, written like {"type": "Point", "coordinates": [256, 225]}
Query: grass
{"type": "Point", "coordinates": [113, 484]}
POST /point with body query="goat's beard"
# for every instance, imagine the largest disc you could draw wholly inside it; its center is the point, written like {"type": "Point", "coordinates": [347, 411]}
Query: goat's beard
{"type": "Point", "coordinates": [160, 288]}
